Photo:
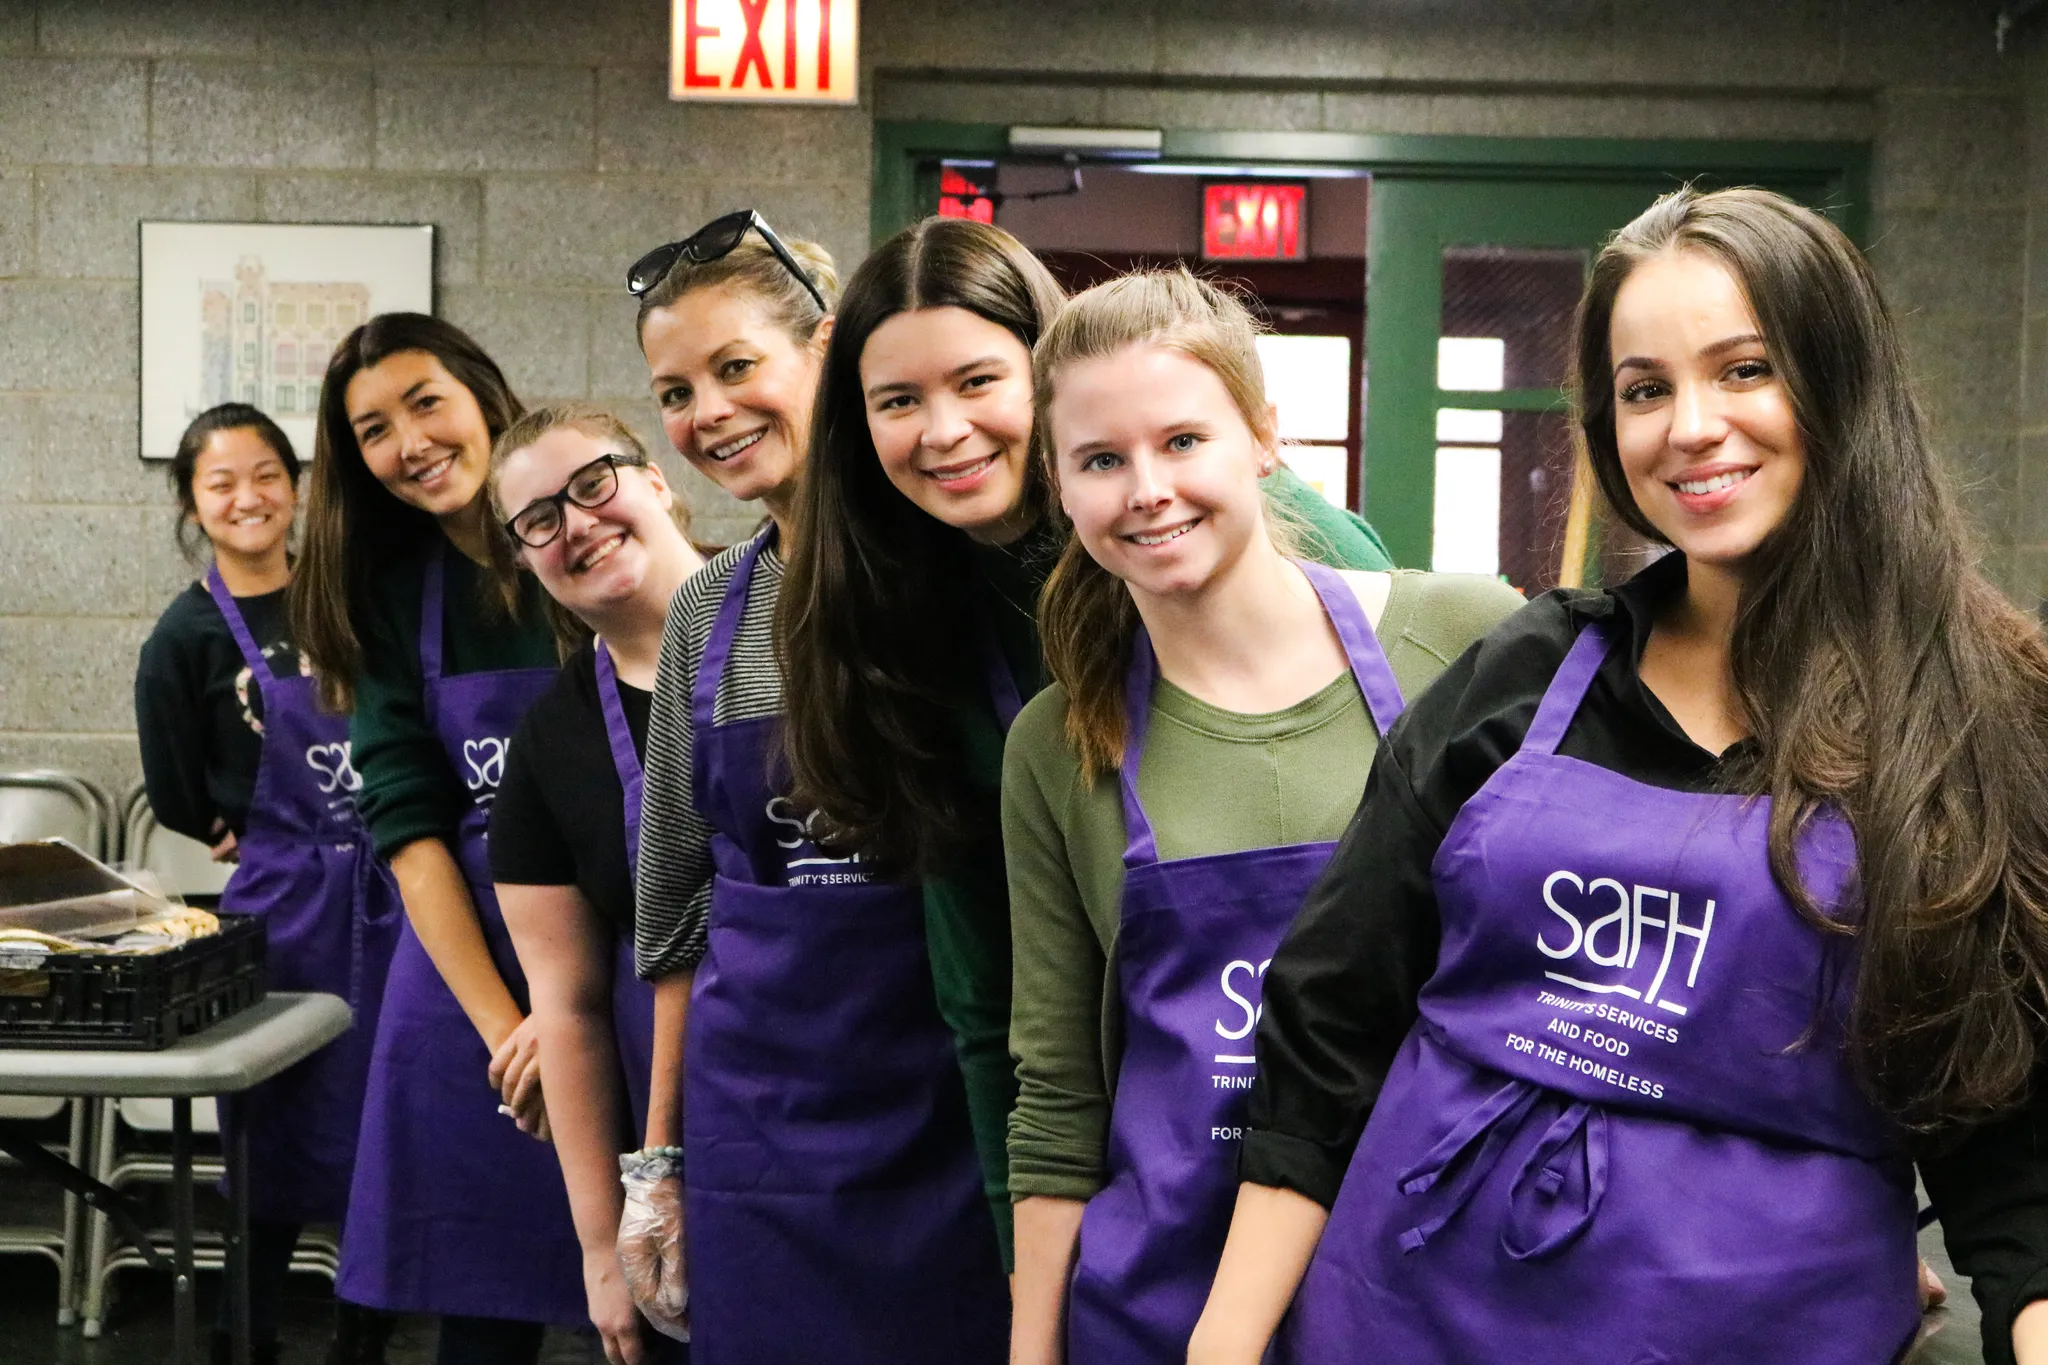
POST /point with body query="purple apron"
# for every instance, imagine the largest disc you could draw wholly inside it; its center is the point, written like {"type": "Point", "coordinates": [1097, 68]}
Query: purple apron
{"type": "Point", "coordinates": [1624, 1117]}
{"type": "Point", "coordinates": [454, 1210]}
{"type": "Point", "coordinates": [1196, 936]}
{"type": "Point", "coordinates": [833, 1199]}
{"type": "Point", "coordinates": [1002, 683]}
{"type": "Point", "coordinates": [331, 915]}
{"type": "Point", "coordinates": [632, 998]}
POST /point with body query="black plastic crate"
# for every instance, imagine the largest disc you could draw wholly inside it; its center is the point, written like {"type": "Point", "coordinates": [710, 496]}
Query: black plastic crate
{"type": "Point", "coordinates": [134, 1003]}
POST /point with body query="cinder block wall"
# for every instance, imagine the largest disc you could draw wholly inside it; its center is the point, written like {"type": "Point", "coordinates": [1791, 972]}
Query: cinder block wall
{"type": "Point", "coordinates": [2030, 505]}
{"type": "Point", "coordinates": [537, 137]}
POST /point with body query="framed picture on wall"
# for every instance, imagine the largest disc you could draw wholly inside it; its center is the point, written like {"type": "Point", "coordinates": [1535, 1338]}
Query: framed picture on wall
{"type": "Point", "coordinates": [251, 312]}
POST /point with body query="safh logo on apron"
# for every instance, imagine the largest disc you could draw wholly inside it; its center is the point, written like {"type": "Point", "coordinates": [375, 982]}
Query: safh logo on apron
{"type": "Point", "coordinates": [796, 836]}
{"type": "Point", "coordinates": [336, 768]}
{"type": "Point", "coordinates": [1251, 1006]}
{"type": "Point", "coordinates": [1627, 919]}
{"type": "Point", "coordinates": [486, 760]}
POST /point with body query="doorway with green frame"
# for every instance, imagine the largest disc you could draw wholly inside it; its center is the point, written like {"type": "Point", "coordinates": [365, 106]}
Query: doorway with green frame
{"type": "Point", "coordinates": [1476, 249]}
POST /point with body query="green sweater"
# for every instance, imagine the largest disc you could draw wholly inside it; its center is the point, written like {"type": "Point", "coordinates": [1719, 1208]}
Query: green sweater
{"type": "Point", "coordinates": [967, 914]}
{"type": "Point", "coordinates": [409, 791]}
{"type": "Point", "coordinates": [1213, 781]}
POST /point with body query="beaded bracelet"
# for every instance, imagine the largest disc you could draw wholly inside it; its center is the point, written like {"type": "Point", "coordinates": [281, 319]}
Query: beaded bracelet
{"type": "Point", "coordinates": [657, 1161]}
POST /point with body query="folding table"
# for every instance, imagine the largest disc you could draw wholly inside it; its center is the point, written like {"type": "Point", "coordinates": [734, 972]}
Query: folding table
{"type": "Point", "coordinates": [227, 1059]}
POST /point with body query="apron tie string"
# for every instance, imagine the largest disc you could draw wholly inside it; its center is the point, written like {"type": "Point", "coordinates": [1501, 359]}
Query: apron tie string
{"type": "Point", "coordinates": [372, 911]}
{"type": "Point", "coordinates": [1576, 1138]}
{"type": "Point", "coordinates": [1490, 1124]}
{"type": "Point", "coordinates": [1547, 1173]}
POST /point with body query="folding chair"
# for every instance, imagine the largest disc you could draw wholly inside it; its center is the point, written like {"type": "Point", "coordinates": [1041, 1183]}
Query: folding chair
{"type": "Point", "coordinates": [185, 866]}
{"type": "Point", "coordinates": [44, 803]}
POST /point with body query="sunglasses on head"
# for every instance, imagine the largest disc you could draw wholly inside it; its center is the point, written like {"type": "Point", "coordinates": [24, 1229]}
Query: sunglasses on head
{"type": "Point", "coordinates": [714, 241]}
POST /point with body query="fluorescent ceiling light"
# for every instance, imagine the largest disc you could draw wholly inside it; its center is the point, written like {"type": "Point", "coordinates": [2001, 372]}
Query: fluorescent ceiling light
{"type": "Point", "coordinates": [1143, 142]}
{"type": "Point", "coordinates": [1255, 172]}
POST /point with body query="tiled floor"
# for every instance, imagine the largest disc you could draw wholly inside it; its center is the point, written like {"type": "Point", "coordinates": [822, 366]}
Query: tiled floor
{"type": "Point", "coordinates": [139, 1332]}
{"type": "Point", "coordinates": [1951, 1335]}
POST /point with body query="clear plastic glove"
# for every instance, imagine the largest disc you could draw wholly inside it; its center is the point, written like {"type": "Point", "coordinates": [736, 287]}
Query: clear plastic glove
{"type": "Point", "coordinates": [651, 1241]}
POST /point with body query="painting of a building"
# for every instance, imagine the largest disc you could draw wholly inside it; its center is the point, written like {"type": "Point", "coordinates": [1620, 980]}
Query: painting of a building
{"type": "Point", "coordinates": [253, 312]}
{"type": "Point", "coordinates": [267, 343]}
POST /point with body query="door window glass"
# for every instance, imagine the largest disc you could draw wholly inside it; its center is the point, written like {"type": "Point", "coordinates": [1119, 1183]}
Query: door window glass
{"type": "Point", "coordinates": [1467, 530]}
{"type": "Point", "coordinates": [1522, 298]}
{"type": "Point", "coordinates": [1470, 364]}
{"type": "Point", "coordinates": [1468, 426]}
{"type": "Point", "coordinates": [1309, 378]}
{"type": "Point", "coordinates": [1503, 473]}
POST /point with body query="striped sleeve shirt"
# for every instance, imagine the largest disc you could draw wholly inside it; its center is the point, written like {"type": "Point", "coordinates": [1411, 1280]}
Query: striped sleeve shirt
{"type": "Point", "coordinates": [673, 899]}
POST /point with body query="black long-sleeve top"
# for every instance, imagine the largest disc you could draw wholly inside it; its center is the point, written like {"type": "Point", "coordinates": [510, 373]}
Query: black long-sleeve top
{"type": "Point", "coordinates": [1340, 996]}
{"type": "Point", "coordinates": [560, 816]}
{"type": "Point", "coordinates": [199, 714]}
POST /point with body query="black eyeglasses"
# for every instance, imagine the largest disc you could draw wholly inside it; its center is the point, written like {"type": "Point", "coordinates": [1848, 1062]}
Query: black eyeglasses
{"type": "Point", "coordinates": [592, 486]}
{"type": "Point", "coordinates": [714, 241]}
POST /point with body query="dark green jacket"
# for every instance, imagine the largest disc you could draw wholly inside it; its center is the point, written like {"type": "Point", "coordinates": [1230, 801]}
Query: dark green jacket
{"type": "Point", "coordinates": [409, 791]}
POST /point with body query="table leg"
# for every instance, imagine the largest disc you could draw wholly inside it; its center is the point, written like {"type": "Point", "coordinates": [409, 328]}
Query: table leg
{"type": "Point", "coordinates": [81, 1140]}
{"type": "Point", "coordinates": [117, 1207]}
{"type": "Point", "coordinates": [183, 1289]}
{"type": "Point", "coordinates": [235, 1142]}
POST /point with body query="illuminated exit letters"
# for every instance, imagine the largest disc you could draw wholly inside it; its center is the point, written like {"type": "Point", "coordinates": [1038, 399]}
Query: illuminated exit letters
{"type": "Point", "coordinates": [1261, 221]}
{"type": "Point", "coordinates": [793, 51]}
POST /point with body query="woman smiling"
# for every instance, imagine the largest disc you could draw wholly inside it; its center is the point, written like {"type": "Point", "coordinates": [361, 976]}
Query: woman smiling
{"type": "Point", "coordinates": [824, 1153]}
{"type": "Point", "coordinates": [1169, 800]}
{"type": "Point", "coordinates": [454, 1211]}
{"type": "Point", "coordinates": [1680, 921]}
{"type": "Point", "coordinates": [926, 531]}
{"type": "Point", "coordinates": [587, 514]}
{"type": "Point", "coordinates": [236, 753]}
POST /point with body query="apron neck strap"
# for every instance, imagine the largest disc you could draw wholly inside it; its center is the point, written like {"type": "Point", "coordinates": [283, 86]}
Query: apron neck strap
{"type": "Point", "coordinates": [1002, 683]}
{"type": "Point", "coordinates": [717, 650]}
{"type": "Point", "coordinates": [231, 611]}
{"type": "Point", "coordinates": [632, 780]}
{"type": "Point", "coordinates": [1567, 690]}
{"type": "Point", "coordinates": [433, 595]}
{"type": "Point", "coordinates": [1140, 676]}
{"type": "Point", "coordinates": [1362, 651]}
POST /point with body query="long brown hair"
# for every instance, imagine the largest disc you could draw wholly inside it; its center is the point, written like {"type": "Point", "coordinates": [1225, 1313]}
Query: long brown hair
{"type": "Point", "coordinates": [1880, 673]}
{"type": "Point", "coordinates": [1085, 615]}
{"type": "Point", "coordinates": [354, 527]}
{"type": "Point", "coordinates": [874, 624]}
{"type": "Point", "coordinates": [598, 423]}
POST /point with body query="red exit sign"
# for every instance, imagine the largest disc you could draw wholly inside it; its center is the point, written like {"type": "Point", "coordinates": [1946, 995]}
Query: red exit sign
{"type": "Point", "coordinates": [779, 51]}
{"type": "Point", "coordinates": [1254, 222]}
